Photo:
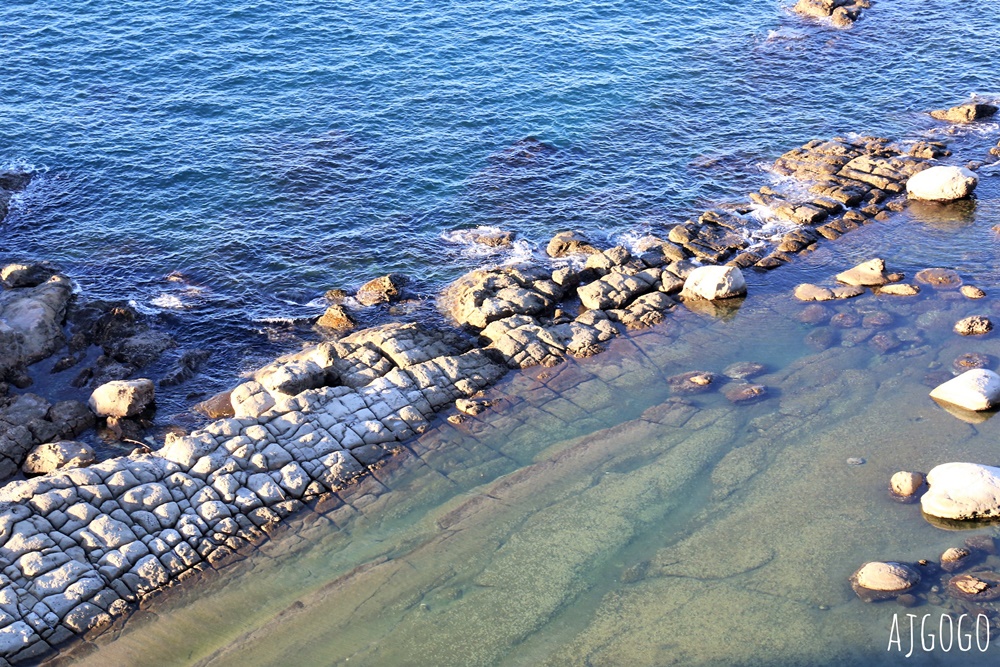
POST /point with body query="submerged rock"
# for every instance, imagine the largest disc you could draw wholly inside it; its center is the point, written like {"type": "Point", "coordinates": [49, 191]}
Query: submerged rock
{"type": "Point", "coordinates": [744, 392]}
{"type": "Point", "coordinates": [976, 389]}
{"type": "Point", "coordinates": [962, 491]}
{"type": "Point", "coordinates": [883, 580]}
{"type": "Point", "coordinates": [942, 183]}
{"type": "Point", "coordinates": [969, 360]}
{"type": "Point", "coordinates": [715, 282]}
{"type": "Point", "coordinates": [939, 278]}
{"type": "Point", "coordinates": [954, 558]}
{"type": "Point", "coordinates": [742, 370]}
{"type": "Point", "coordinates": [122, 398]}
{"type": "Point", "coordinates": [809, 292]}
{"type": "Point", "coordinates": [692, 382]}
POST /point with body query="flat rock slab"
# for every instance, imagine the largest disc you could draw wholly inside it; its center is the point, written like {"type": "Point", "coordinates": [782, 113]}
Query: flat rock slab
{"type": "Point", "coordinates": [977, 389]}
{"type": "Point", "coordinates": [810, 292]}
{"type": "Point", "coordinates": [962, 491]}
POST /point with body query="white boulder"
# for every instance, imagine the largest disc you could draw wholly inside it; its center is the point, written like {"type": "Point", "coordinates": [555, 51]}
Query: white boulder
{"type": "Point", "coordinates": [977, 389]}
{"type": "Point", "coordinates": [715, 282]}
{"type": "Point", "coordinates": [943, 183]}
{"type": "Point", "coordinates": [962, 491]}
{"type": "Point", "coordinates": [122, 398]}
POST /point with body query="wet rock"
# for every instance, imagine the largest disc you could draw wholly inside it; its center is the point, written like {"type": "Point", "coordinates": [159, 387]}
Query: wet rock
{"type": "Point", "coordinates": [335, 295]}
{"type": "Point", "coordinates": [964, 113]}
{"type": "Point", "coordinates": [337, 318]}
{"type": "Point", "coordinates": [714, 282]}
{"type": "Point", "coordinates": [216, 407]}
{"type": "Point", "coordinates": [26, 275]}
{"type": "Point", "coordinates": [867, 274]}
{"type": "Point", "coordinates": [907, 600]}
{"type": "Point", "coordinates": [185, 368]}
{"type": "Point", "coordinates": [906, 484]}
{"type": "Point", "coordinates": [976, 325]}
{"type": "Point", "coordinates": [876, 320]}
{"type": "Point", "coordinates": [122, 398]}
{"type": "Point", "coordinates": [962, 491]}
{"type": "Point", "coordinates": [971, 360]}
{"type": "Point", "coordinates": [884, 342]}
{"type": "Point", "coordinates": [942, 183]}
{"type": "Point", "coordinates": [384, 289]}
{"type": "Point", "coordinates": [569, 243]}
{"type": "Point", "coordinates": [492, 238]}
{"type": "Point", "coordinates": [972, 292]}
{"type": "Point", "coordinates": [742, 370]}
{"type": "Point", "coordinates": [741, 393]}
{"type": "Point", "coordinates": [883, 580]}
{"type": "Point", "coordinates": [473, 406]}
{"type": "Point", "coordinates": [899, 289]}
{"type": "Point", "coordinates": [856, 461]}
{"type": "Point", "coordinates": [939, 278]}
{"type": "Point", "coordinates": [692, 382]}
{"type": "Point", "coordinates": [982, 586]}
{"type": "Point", "coordinates": [54, 456]}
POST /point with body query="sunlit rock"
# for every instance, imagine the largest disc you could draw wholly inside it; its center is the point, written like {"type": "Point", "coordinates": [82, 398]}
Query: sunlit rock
{"type": "Point", "coordinates": [962, 491]}
{"type": "Point", "coordinates": [942, 183]}
{"type": "Point", "coordinates": [976, 389]}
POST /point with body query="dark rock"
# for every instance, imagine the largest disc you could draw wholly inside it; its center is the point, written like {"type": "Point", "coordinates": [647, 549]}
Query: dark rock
{"type": "Point", "coordinates": [744, 392]}
{"type": "Point", "coordinates": [219, 406]}
{"type": "Point", "coordinates": [27, 275]}
{"type": "Point", "coordinates": [185, 367]}
{"type": "Point", "coordinates": [742, 370]}
{"type": "Point", "coordinates": [814, 314]}
{"type": "Point", "coordinates": [970, 360]}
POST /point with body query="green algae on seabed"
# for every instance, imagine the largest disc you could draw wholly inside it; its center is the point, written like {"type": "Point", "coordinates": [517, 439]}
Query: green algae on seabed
{"type": "Point", "coordinates": [589, 520]}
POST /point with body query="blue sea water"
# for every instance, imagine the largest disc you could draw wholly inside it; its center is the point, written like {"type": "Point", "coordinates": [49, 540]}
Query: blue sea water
{"type": "Point", "coordinates": [269, 151]}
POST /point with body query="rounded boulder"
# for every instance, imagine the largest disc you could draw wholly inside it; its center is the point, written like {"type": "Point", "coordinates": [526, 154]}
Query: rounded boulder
{"type": "Point", "coordinates": [942, 183]}
{"type": "Point", "coordinates": [122, 398]}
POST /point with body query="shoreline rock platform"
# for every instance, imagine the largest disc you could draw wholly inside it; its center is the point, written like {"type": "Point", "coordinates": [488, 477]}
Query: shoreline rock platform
{"type": "Point", "coordinates": [80, 547]}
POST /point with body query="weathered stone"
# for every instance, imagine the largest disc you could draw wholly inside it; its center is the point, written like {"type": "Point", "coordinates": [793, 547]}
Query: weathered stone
{"type": "Point", "coordinates": [976, 389]}
{"type": "Point", "coordinates": [122, 398]}
{"type": "Point", "coordinates": [743, 392]}
{"type": "Point", "coordinates": [692, 382]}
{"type": "Point", "coordinates": [969, 360]}
{"type": "Point", "coordinates": [54, 456]}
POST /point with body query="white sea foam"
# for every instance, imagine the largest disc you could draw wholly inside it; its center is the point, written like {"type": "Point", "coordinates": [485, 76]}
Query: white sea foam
{"type": "Point", "coordinates": [168, 302]}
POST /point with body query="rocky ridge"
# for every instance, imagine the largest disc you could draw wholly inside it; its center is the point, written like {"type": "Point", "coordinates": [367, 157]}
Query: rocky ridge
{"type": "Point", "coordinates": [80, 547]}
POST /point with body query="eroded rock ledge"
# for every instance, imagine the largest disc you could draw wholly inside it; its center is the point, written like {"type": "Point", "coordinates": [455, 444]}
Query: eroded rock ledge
{"type": "Point", "coordinates": [80, 547]}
